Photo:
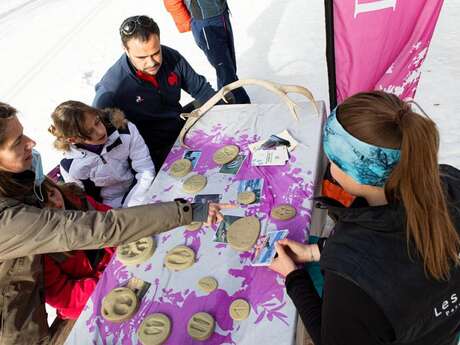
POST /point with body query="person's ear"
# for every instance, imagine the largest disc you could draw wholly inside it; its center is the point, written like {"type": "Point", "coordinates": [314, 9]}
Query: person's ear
{"type": "Point", "coordinates": [125, 49]}
{"type": "Point", "coordinates": [72, 140]}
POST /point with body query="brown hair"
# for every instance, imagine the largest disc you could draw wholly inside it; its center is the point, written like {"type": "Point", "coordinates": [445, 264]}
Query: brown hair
{"type": "Point", "coordinates": [6, 113]}
{"type": "Point", "coordinates": [382, 119]}
{"type": "Point", "coordinates": [68, 121]}
{"type": "Point", "coordinates": [13, 185]}
{"type": "Point", "coordinates": [73, 195]}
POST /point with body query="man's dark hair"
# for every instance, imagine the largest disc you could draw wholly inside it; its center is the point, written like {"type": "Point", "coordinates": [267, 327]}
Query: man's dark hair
{"type": "Point", "coordinates": [138, 27]}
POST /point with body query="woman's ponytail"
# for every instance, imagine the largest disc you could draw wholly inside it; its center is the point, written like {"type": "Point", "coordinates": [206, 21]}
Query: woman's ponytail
{"type": "Point", "coordinates": [416, 182]}
{"type": "Point", "coordinates": [382, 119]}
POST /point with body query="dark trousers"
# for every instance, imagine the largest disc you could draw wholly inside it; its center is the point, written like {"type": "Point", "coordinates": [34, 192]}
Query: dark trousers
{"type": "Point", "coordinates": [214, 36]}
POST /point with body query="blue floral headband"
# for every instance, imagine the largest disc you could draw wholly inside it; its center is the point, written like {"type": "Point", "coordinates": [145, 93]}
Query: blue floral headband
{"type": "Point", "coordinates": [365, 163]}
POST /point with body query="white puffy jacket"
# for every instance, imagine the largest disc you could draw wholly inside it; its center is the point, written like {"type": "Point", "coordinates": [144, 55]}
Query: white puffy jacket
{"type": "Point", "coordinates": [124, 160]}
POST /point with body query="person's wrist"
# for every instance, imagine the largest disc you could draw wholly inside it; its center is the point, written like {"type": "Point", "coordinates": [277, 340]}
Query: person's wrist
{"type": "Point", "coordinates": [200, 211]}
{"type": "Point", "coordinates": [306, 255]}
{"type": "Point", "coordinates": [316, 254]}
{"type": "Point", "coordinates": [311, 253]}
{"type": "Point", "coordinates": [312, 257]}
{"type": "Point", "coordinates": [290, 270]}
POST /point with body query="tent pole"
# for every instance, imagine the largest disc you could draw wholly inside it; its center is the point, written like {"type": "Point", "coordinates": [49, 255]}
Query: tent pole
{"type": "Point", "coordinates": [330, 52]}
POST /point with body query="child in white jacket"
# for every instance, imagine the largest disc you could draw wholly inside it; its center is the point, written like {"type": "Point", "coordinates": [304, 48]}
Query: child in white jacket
{"type": "Point", "coordinates": [103, 153]}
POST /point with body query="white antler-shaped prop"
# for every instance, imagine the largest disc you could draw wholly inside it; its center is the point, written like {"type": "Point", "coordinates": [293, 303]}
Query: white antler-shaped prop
{"type": "Point", "coordinates": [279, 89]}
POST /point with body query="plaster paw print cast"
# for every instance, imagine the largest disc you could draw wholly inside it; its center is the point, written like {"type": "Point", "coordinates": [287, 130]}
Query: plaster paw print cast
{"type": "Point", "coordinates": [242, 234]}
{"type": "Point", "coordinates": [226, 154]}
{"type": "Point", "coordinates": [194, 184]}
{"type": "Point", "coordinates": [283, 212]}
{"type": "Point", "coordinates": [180, 258]}
{"type": "Point", "coordinates": [154, 330]}
{"type": "Point", "coordinates": [207, 284]}
{"type": "Point", "coordinates": [136, 252]}
{"type": "Point", "coordinates": [180, 168]}
{"type": "Point", "coordinates": [239, 310]}
{"type": "Point", "coordinates": [194, 226]}
{"type": "Point", "coordinates": [246, 198]}
{"type": "Point", "coordinates": [119, 305]}
{"type": "Point", "coordinates": [201, 326]}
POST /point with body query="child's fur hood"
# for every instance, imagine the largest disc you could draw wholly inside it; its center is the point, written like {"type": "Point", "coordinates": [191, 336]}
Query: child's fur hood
{"type": "Point", "coordinates": [115, 117]}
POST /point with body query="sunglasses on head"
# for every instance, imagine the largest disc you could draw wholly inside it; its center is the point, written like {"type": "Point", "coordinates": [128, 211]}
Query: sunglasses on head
{"type": "Point", "coordinates": [129, 26]}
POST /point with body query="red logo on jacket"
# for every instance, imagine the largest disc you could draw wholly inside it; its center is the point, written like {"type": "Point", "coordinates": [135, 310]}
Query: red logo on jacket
{"type": "Point", "coordinates": [172, 79]}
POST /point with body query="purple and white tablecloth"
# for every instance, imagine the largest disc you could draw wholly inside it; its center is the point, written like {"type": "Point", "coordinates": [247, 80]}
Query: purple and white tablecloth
{"type": "Point", "coordinates": [273, 317]}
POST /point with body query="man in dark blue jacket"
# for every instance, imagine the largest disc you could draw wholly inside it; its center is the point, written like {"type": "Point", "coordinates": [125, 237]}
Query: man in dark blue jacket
{"type": "Point", "coordinates": [146, 82]}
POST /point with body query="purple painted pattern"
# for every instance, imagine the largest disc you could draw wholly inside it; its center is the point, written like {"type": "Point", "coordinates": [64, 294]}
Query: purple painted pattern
{"type": "Point", "coordinates": [262, 288]}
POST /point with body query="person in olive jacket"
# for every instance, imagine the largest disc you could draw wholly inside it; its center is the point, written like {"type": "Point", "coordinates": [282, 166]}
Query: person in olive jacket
{"type": "Point", "coordinates": [27, 231]}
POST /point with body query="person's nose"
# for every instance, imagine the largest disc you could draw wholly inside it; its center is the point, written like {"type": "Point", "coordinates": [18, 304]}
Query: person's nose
{"type": "Point", "coordinates": [30, 143]}
{"type": "Point", "coordinates": [151, 60]}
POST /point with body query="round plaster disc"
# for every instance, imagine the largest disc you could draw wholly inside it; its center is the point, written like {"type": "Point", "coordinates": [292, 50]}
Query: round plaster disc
{"type": "Point", "coordinates": [154, 330]}
{"type": "Point", "coordinates": [179, 258]}
{"type": "Point", "coordinates": [136, 252]}
{"type": "Point", "coordinates": [246, 198]}
{"type": "Point", "coordinates": [239, 310]}
{"type": "Point", "coordinates": [283, 212]}
{"type": "Point", "coordinates": [201, 326]}
{"type": "Point", "coordinates": [194, 226]}
{"type": "Point", "coordinates": [194, 184]}
{"type": "Point", "coordinates": [180, 168]}
{"type": "Point", "coordinates": [226, 154]}
{"type": "Point", "coordinates": [207, 284]}
{"type": "Point", "coordinates": [242, 234]}
{"type": "Point", "coordinates": [119, 305]}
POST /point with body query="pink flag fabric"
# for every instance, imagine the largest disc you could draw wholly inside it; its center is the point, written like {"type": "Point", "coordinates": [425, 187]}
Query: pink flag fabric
{"type": "Point", "coordinates": [381, 44]}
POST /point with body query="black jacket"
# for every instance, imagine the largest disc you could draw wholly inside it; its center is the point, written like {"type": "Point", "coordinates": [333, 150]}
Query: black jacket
{"type": "Point", "coordinates": [373, 280]}
{"type": "Point", "coordinates": [154, 110]}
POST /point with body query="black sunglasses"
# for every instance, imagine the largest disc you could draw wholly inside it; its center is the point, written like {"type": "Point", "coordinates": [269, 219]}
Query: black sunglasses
{"type": "Point", "coordinates": [129, 26]}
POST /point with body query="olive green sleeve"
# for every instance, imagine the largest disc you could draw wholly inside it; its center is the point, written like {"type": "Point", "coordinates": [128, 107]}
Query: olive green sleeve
{"type": "Point", "coordinates": [27, 230]}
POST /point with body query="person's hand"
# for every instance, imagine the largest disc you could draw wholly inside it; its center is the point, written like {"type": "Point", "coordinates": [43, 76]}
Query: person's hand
{"type": "Point", "coordinates": [282, 264]}
{"type": "Point", "coordinates": [214, 214]}
{"type": "Point", "coordinates": [299, 252]}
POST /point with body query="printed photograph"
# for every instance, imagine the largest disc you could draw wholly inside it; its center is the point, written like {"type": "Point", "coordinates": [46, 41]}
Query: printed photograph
{"type": "Point", "coordinates": [221, 233]}
{"type": "Point", "coordinates": [273, 142]}
{"type": "Point", "coordinates": [253, 185]}
{"type": "Point", "coordinates": [234, 166]}
{"type": "Point", "coordinates": [192, 156]}
{"type": "Point", "coordinates": [206, 198]}
{"type": "Point", "coordinates": [267, 250]}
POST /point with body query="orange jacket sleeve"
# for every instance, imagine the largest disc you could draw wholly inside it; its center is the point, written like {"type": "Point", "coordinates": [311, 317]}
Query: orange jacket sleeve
{"type": "Point", "coordinates": [180, 14]}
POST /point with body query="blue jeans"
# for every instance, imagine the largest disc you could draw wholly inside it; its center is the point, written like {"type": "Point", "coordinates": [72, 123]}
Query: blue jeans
{"type": "Point", "coordinates": [214, 36]}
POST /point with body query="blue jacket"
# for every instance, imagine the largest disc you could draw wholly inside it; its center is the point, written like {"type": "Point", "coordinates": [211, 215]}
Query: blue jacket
{"type": "Point", "coordinates": [154, 110]}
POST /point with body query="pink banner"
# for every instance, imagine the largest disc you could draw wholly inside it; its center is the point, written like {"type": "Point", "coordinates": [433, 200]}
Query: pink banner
{"type": "Point", "coordinates": [381, 44]}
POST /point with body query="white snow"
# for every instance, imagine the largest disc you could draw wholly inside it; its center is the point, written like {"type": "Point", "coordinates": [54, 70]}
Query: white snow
{"type": "Point", "coordinates": [57, 50]}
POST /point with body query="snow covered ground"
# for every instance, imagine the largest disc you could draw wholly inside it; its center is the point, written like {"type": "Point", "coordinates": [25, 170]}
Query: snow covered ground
{"type": "Point", "coordinates": [55, 50]}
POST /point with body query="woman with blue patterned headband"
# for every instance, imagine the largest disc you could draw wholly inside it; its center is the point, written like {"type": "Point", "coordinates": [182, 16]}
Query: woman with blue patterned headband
{"type": "Point", "coordinates": [392, 266]}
